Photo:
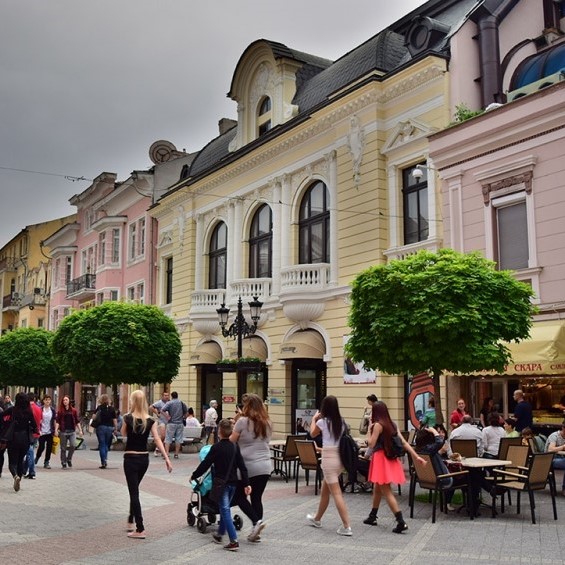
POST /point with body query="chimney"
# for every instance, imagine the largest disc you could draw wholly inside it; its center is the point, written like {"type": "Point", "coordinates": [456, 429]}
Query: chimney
{"type": "Point", "coordinates": [226, 124]}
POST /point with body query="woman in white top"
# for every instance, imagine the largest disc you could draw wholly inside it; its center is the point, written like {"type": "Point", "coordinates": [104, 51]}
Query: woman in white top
{"type": "Point", "coordinates": [328, 422]}
{"type": "Point", "coordinates": [491, 436]}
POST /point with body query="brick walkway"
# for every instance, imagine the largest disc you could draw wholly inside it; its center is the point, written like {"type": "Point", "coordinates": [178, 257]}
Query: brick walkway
{"type": "Point", "coordinates": [77, 516]}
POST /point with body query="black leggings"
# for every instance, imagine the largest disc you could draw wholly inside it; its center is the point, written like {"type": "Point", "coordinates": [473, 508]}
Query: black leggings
{"type": "Point", "coordinates": [254, 509]}
{"type": "Point", "coordinates": [135, 467]}
{"type": "Point", "coordinates": [16, 457]}
{"type": "Point", "coordinates": [45, 442]}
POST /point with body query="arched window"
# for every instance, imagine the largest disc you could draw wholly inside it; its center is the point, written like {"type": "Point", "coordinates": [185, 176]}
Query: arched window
{"type": "Point", "coordinates": [314, 225]}
{"type": "Point", "coordinates": [415, 200]}
{"type": "Point", "coordinates": [261, 243]}
{"type": "Point", "coordinates": [264, 116]}
{"type": "Point", "coordinates": [218, 256]}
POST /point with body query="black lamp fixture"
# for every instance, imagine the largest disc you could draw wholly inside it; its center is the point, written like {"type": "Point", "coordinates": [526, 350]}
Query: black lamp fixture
{"type": "Point", "coordinates": [239, 328]}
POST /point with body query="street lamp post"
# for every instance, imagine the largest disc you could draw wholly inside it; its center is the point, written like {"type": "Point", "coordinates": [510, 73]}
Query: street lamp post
{"type": "Point", "coordinates": [239, 328]}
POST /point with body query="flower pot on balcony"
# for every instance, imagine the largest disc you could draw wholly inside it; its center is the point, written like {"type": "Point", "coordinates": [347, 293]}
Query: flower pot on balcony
{"type": "Point", "coordinates": [250, 366]}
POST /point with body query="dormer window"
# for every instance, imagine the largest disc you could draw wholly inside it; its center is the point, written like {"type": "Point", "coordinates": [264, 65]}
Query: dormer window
{"type": "Point", "coordinates": [264, 116]}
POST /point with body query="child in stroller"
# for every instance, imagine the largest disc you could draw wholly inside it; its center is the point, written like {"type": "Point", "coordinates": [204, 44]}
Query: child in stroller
{"type": "Point", "coordinates": [201, 510]}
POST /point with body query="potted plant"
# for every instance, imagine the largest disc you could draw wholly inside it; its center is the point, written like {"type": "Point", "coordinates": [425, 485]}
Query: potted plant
{"type": "Point", "coordinates": [226, 365]}
{"type": "Point", "coordinates": [249, 364]}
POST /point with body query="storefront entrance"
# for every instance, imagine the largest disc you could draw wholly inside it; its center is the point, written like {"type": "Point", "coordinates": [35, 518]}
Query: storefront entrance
{"type": "Point", "coordinates": [308, 389]}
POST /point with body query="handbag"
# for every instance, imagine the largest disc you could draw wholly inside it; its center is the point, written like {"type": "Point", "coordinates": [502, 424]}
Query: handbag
{"type": "Point", "coordinates": [8, 433]}
{"type": "Point", "coordinates": [55, 445]}
{"type": "Point", "coordinates": [95, 422]}
{"type": "Point", "coordinates": [219, 484]}
{"type": "Point", "coordinates": [364, 425]}
{"type": "Point", "coordinates": [397, 447]}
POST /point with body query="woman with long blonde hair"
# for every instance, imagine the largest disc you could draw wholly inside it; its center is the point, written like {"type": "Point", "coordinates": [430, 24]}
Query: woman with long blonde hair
{"type": "Point", "coordinates": [252, 431]}
{"type": "Point", "coordinates": [137, 426]}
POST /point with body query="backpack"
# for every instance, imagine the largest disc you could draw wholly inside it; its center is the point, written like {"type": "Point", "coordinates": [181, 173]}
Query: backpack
{"type": "Point", "coordinates": [349, 454]}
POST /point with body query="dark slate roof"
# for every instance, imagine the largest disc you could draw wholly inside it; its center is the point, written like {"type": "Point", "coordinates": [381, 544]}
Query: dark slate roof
{"type": "Point", "coordinates": [319, 78]}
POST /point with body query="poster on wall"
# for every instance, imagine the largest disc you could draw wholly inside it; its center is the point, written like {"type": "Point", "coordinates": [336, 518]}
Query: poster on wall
{"type": "Point", "coordinates": [356, 373]}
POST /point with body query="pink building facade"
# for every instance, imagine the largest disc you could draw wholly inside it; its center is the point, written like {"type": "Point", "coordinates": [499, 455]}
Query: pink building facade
{"type": "Point", "coordinates": [503, 194]}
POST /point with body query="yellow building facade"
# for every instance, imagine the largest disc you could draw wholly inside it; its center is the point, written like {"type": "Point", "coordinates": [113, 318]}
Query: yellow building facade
{"type": "Point", "coordinates": [24, 276]}
{"type": "Point", "coordinates": [327, 190]}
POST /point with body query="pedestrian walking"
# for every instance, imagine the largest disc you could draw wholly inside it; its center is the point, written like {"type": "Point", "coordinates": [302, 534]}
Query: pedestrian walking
{"type": "Point", "coordinates": [137, 426]}
{"type": "Point", "coordinates": [46, 432]}
{"type": "Point", "coordinates": [227, 460]}
{"type": "Point", "coordinates": [252, 432]}
{"type": "Point", "coordinates": [18, 427]}
{"type": "Point", "coordinates": [107, 425]}
{"type": "Point", "coordinates": [155, 409]}
{"type": "Point", "coordinates": [385, 468]}
{"type": "Point", "coordinates": [329, 423]}
{"type": "Point", "coordinates": [66, 426]}
{"type": "Point", "coordinates": [210, 422]}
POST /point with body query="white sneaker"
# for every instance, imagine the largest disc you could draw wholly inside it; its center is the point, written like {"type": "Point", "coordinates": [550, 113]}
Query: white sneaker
{"type": "Point", "coordinates": [256, 531]}
{"type": "Point", "coordinates": [157, 453]}
{"type": "Point", "coordinates": [313, 521]}
{"type": "Point", "coordinates": [343, 531]}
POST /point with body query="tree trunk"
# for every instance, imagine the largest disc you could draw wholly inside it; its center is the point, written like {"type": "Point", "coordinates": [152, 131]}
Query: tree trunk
{"type": "Point", "coordinates": [437, 397]}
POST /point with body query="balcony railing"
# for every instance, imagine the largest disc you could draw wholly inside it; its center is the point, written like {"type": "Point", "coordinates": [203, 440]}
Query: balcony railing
{"type": "Point", "coordinates": [12, 301]}
{"type": "Point", "coordinates": [249, 288]}
{"type": "Point", "coordinates": [303, 277]}
{"type": "Point", "coordinates": [8, 264]}
{"type": "Point", "coordinates": [407, 250]}
{"type": "Point", "coordinates": [85, 284]}
{"type": "Point", "coordinates": [207, 300]}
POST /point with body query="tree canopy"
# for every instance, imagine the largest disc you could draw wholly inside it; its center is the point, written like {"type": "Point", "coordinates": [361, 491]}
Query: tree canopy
{"type": "Point", "coordinates": [26, 359]}
{"type": "Point", "coordinates": [118, 343]}
{"type": "Point", "coordinates": [437, 312]}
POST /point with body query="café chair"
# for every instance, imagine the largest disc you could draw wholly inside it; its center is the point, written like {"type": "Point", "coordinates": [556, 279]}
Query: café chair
{"type": "Point", "coordinates": [309, 459]}
{"type": "Point", "coordinates": [505, 443]}
{"type": "Point", "coordinates": [285, 461]}
{"type": "Point", "coordinates": [425, 476]}
{"type": "Point", "coordinates": [536, 477]}
{"type": "Point", "coordinates": [465, 447]}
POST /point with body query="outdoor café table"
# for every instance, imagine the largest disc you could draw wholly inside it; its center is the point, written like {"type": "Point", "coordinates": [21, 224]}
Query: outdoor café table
{"type": "Point", "coordinates": [476, 466]}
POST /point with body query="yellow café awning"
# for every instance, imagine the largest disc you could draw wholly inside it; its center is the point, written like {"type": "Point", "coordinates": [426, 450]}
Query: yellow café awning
{"type": "Point", "coordinates": [207, 353]}
{"type": "Point", "coordinates": [305, 344]}
{"type": "Point", "coordinates": [542, 354]}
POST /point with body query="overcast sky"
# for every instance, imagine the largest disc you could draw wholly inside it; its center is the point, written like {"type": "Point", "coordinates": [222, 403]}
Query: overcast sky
{"type": "Point", "coordinates": [87, 87]}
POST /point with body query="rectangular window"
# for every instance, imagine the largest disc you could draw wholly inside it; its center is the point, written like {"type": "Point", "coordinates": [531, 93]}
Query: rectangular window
{"type": "Point", "coordinates": [415, 200]}
{"type": "Point", "coordinates": [512, 236]}
{"type": "Point", "coordinates": [102, 248]}
{"type": "Point", "coordinates": [114, 295]}
{"type": "Point", "coordinates": [57, 273]}
{"type": "Point", "coordinates": [99, 298]}
{"type": "Point", "coordinates": [140, 290]}
{"type": "Point", "coordinates": [132, 241]}
{"type": "Point", "coordinates": [69, 270]}
{"type": "Point", "coordinates": [168, 295]}
{"type": "Point", "coordinates": [131, 293]}
{"type": "Point", "coordinates": [115, 245]}
{"type": "Point", "coordinates": [141, 237]}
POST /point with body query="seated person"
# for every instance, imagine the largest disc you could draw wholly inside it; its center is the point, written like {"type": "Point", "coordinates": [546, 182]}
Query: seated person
{"type": "Point", "coordinates": [443, 434]}
{"type": "Point", "coordinates": [510, 428]}
{"type": "Point", "coordinates": [539, 442]}
{"type": "Point", "coordinates": [466, 430]}
{"type": "Point", "coordinates": [492, 435]}
{"type": "Point", "coordinates": [429, 442]}
{"type": "Point", "coordinates": [556, 444]}
{"type": "Point", "coordinates": [191, 420]}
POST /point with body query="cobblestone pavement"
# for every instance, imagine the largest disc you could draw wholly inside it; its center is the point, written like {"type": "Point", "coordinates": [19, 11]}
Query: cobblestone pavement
{"type": "Point", "coordinates": [78, 516]}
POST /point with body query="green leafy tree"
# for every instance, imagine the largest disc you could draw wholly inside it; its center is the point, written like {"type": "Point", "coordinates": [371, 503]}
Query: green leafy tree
{"type": "Point", "coordinates": [26, 359]}
{"type": "Point", "coordinates": [437, 312]}
{"type": "Point", "coordinates": [118, 343]}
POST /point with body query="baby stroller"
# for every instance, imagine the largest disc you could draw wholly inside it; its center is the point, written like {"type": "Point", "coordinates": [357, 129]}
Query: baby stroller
{"type": "Point", "coordinates": [201, 511]}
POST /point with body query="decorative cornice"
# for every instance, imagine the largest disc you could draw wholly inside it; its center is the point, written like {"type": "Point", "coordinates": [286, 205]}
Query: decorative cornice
{"type": "Point", "coordinates": [524, 178]}
{"type": "Point", "coordinates": [410, 83]}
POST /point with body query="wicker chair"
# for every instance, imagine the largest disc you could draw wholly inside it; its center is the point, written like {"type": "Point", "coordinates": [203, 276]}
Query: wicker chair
{"type": "Point", "coordinates": [535, 478]}
{"type": "Point", "coordinates": [285, 461]}
{"type": "Point", "coordinates": [425, 476]}
{"type": "Point", "coordinates": [505, 443]}
{"type": "Point", "coordinates": [465, 447]}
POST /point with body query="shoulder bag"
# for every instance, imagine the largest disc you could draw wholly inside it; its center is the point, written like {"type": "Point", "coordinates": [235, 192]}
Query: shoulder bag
{"type": "Point", "coordinates": [95, 422]}
{"type": "Point", "coordinates": [219, 484]}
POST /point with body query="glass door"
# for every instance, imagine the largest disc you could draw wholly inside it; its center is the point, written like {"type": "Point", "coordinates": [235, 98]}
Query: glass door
{"type": "Point", "coordinates": [309, 387]}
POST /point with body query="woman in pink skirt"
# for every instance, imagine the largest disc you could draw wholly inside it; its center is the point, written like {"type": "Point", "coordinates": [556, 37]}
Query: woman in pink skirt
{"type": "Point", "coordinates": [384, 470]}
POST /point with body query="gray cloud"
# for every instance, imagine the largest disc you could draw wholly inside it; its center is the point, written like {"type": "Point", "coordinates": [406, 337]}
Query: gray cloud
{"type": "Point", "coordinates": [87, 87]}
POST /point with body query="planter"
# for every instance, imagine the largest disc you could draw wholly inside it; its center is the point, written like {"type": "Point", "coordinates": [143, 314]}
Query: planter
{"type": "Point", "coordinates": [251, 366]}
{"type": "Point", "coordinates": [226, 368]}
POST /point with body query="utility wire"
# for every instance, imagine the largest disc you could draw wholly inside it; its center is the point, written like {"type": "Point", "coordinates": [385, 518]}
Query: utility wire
{"type": "Point", "coordinates": [68, 177]}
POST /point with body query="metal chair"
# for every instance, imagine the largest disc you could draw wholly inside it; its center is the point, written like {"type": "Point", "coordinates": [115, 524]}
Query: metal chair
{"type": "Point", "coordinates": [465, 447]}
{"type": "Point", "coordinates": [285, 461]}
{"type": "Point", "coordinates": [309, 459]}
{"type": "Point", "coordinates": [425, 476]}
{"type": "Point", "coordinates": [505, 443]}
{"type": "Point", "coordinates": [536, 478]}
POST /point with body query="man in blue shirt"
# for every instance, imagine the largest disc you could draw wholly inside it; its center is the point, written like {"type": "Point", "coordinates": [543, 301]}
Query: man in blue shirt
{"type": "Point", "coordinates": [522, 411]}
{"type": "Point", "coordinates": [176, 412]}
